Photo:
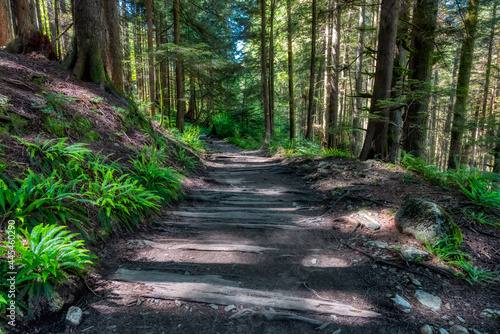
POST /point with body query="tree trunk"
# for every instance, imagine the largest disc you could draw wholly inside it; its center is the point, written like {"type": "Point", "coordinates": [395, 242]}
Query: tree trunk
{"type": "Point", "coordinates": [463, 81]}
{"type": "Point", "coordinates": [38, 15]}
{"type": "Point", "coordinates": [138, 52]}
{"type": "Point", "coordinates": [6, 33]}
{"type": "Point", "coordinates": [22, 26]}
{"type": "Point", "coordinates": [267, 118]}
{"type": "Point", "coordinates": [358, 103]}
{"type": "Point", "coordinates": [376, 141]}
{"type": "Point", "coordinates": [114, 50]}
{"type": "Point", "coordinates": [271, 67]}
{"type": "Point", "coordinates": [58, 30]}
{"type": "Point", "coordinates": [415, 123]}
{"type": "Point", "coordinates": [127, 77]}
{"type": "Point", "coordinates": [310, 107]}
{"type": "Point", "coordinates": [449, 114]}
{"type": "Point", "coordinates": [179, 72]}
{"type": "Point", "coordinates": [333, 79]}
{"type": "Point", "coordinates": [149, 18]}
{"type": "Point", "coordinates": [90, 42]}
{"type": "Point", "coordinates": [291, 101]}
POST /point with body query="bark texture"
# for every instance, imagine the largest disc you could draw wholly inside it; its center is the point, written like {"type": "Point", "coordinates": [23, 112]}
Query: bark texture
{"type": "Point", "coordinates": [376, 141]}
{"type": "Point", "coordinates": [179, 72]}
{"type": "Point", "coordinates": [114, 50]}
{"type": "Point", "coordinates": [463, 82]}
{"type": "Point", "coordinates": [291, 100]}
{"type": "Point", "coordinates": [6, 33]}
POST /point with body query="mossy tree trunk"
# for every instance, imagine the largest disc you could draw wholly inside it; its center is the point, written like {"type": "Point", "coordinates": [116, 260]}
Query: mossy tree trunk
{"type": "Point", "coordinates": [420, 66]}
{"type": "Point", "coordinates": [265, 92]}
{"type": "Point", "coordinates": [179, 71]}
{"type": "Point", "coordinates": [376, 140]}
{"type": "Point", "coordinates": [463, 81]}
{"type": "Point", "coordinates": [310, 106]}
{"type": "Point", "coordinates": [114, 49]}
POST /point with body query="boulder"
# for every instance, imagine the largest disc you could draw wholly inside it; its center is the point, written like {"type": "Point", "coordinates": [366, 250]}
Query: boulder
{"type": "Point", "coordinates": [427, 221]}
{"type": "Point", "coordinates": [74, 316]}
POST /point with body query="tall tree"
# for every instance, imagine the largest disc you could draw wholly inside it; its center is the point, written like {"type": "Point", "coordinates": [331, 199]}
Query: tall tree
{"type": "Point", "coordinates": [6, 33]}
{"type": "Point", "coordinates": [267, 116]}
{"type": "Point", "coordinates": [22, 26]}
{"type": "Point", "coordinates": [149, 19]}
{"type": "Point", "coordinates": [310, 106]}
{"type": "Point", "coordinates": [179, 71]}
{"type": "Point", "coordinates": [420, 66]}
{"type": "Point", "coordinates": [376, 143]}
{"type": "Point", "coordinates": [89, 44]}
{"type": "Point", "coordinates": [291, 100]}
{"type": "Point", "coordinates": [333, 61]}
{"type": "Point", "coordinates": [114, 49]}
{"type": "Point", "coordinates": [358, 103]}
{"type": "Point", "coordinates": [463, 82]}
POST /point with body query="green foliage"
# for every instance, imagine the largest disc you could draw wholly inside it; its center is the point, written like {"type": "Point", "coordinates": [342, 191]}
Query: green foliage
{"type": "Point", "coordinates": [55, 154]}
{"type": "Point", "coordinates": [472, 274]}
{"type": "Point", "coordinates": [54, 102]}
{"type": "Point", "coordinates": [47, 257]}
{"type": "Point", "coordinates": [163, 181]}
{"type": "Point", "coordinates": [246, 142]}
{"type": "Point", "coordinates": [481, 188]}
{"type": "Point", "coordinates": [480, 218]}
{"type": "Point", "coordinates": [190, 137]}
{"type": "Point", "coordinates": [445, 249]}
{"type": "Point", "coordinates": [39, 199]}
{"type": "Point", "coordinates": [187, 163]}
{"type": "Point", "coordinates": [120, 200]}
{"type": "Point", "coordinates": [337, 153]}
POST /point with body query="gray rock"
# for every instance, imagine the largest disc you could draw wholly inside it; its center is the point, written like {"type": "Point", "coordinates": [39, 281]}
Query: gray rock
{"type": "Point", "coordinates": [229, 308]}
{"type": "Point", "coordinates": [491, 314]}
{"type": "Point", "coordinates": [426, 329]}
{"type": "Point", "coordinates": [412, 254]}
{"type": "Point", "coordinates": [379, 244]}
{"type": "Point", "coordinates": [457, 329]}
{"type": "Point", "coordinates": [427, 221]}
{"type": "Point", "coordinates": [416, 282]}
{"type": "Point", "coordinates": [428, 300]}
{"type": "Point", "coordinates": [74, 316]}
{"type": "Point", "coordinates": [215, 307]}
{"type": "Point", "coordinates": [475, 331]}
{"type": "Point", "coordinates": [462, 320]}
{"type": "Point", "coordinates": [443, 331]}
{"type": "Point", "coordinates": [401, 303]}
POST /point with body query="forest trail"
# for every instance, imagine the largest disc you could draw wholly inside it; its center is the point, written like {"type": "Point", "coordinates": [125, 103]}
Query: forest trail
{"type": "Point", "coordinates": [254, 249]}
{"type": "Point", "coordinates": [233, 258]}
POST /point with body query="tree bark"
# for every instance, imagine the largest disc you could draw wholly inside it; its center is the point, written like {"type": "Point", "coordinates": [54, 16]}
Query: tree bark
{"type": "Point", "coordinates": [179, 72]}
{"type": "Point", "coordinates": [333, 78]}
{"type": "Point", "coordinates": [310, 107]}
{"type": "Point", "coordinates": [6, 33]}
{"type": "Point", "coordinates": [420, 66]}
{"type": "Point", "coordinates": [291, 100]}
{"type": "Point", "coordinates": [267, 118]}
{"type": "Point", "coordinates": [358, 103]}
{"type": "Point", "coordinates": [376, 141]}
{"type": "Point", "coordinates": [21, 25]}
{"type": "Point", "coordinates": [271, 67]}
{"type": "Point", "coordinates": [90, 42]}
{"type": "Point", "coordinates": [149, 19]}
{"type": "Point", "coordinates": [114, 49]}
{"type": "Point", "coordinates": [463, 81]}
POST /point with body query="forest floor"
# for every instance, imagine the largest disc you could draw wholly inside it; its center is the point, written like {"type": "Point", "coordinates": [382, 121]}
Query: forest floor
{"type": "Point", "coordinates": [259, 247]}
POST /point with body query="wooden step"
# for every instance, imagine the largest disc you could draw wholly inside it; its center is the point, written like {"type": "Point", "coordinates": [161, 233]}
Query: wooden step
{"type": "Point", "coordinates": [202, 245]}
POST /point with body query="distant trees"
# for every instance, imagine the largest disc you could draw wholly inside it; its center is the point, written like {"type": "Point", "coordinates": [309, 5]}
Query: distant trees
{"type": "Point", "coordinates": [268, 70]}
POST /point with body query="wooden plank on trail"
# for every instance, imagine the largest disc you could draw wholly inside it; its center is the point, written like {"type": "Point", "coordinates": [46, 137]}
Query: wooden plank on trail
{"type": "Point", "coordinates": [236, 208]}
{"type": "Point", "coordinates": [224, 295]}
{"type": "Point", "coordinates": [237, 215]}
{"type": "Point", "coordinates": [205, 245]}
{"type": "Point", "coordinates": [228, 225]}
{"type": "Point", "coordinates": [152, 276]}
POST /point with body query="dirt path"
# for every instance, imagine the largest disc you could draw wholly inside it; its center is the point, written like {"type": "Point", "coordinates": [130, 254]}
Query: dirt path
{"type": "Point", "coordinates": [250, 253]}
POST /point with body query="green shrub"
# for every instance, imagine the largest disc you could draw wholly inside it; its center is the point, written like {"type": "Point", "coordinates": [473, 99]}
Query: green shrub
{"type": "Point", "coordinates": [55, 154]}
{"type": "Point", "coordinates": [120, 200]}
{"type": "Point", "coordinates": [163, 181]}
{"type": "Point", "coordinates": [47, 257]}
{"type": "Point", "coordinates": [38, 199]}
{"type": "Point", "coordinates": [187, 163]}
{"type": "Point", "coordinates": [472, 274]}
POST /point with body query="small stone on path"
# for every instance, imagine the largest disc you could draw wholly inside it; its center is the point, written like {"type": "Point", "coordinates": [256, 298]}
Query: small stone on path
{"type": "Point", "coordinates": [401, 303]}
{"type": "Point", "coordinates": [412, 254]}
{"type": "Point", "coordinates": [457, 329]}
{"type": "Point", "coordinates": [491, 314]}
{"type": "Point", "coordinates": [74, 316]}
{"type": "Point", "coordinates": [443, 331]}
{"type": "Point", "coordinates": [428, 300]}
{"type": "Point", "coordinates": [426, 329]}
{"type": "Point", "coordinates": [229, 308]}
{"type": "Point", "coordinates": [215, 307]}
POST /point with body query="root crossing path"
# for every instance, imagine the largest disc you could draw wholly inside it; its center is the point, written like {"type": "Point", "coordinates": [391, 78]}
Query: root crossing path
{"type": "Point", "coordinates": [250, 252]}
